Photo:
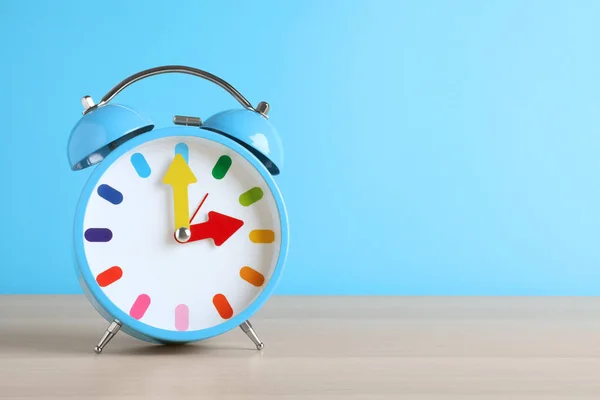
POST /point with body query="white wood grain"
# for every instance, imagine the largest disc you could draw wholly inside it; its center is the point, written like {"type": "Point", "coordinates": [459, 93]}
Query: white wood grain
{"type": "Point", "coordinates": [316, 348]}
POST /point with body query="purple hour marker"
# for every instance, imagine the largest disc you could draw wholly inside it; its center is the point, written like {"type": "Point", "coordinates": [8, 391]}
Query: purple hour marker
{"type": "Point", "coordinates": [98, 235]}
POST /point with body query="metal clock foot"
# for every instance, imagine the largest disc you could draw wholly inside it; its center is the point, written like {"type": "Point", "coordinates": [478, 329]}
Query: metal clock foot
{"type": "Point", "coordinates": [110, 333]}
{"type": "Point", "coordinates": [246, 326]}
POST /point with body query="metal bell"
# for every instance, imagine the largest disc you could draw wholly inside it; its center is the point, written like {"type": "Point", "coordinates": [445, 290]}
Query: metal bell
{"type": "Point", "coordinates": [101, 130]}
{"type": "Point", "coordinates": [254, 131]}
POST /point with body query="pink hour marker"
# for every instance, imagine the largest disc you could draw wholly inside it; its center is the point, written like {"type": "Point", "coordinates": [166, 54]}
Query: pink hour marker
{"type": "Point", "coordinates": [182, 317]}
{"type": "Point", "coordinates": [140, 306]}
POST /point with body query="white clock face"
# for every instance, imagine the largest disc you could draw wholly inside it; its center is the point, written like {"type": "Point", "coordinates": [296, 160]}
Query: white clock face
{"type": "Point", "coordinates": [130, 246]}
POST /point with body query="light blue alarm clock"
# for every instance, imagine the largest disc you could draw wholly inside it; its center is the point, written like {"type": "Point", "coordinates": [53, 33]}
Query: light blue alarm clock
{"type": "Point", "coordinates": [181, 233]}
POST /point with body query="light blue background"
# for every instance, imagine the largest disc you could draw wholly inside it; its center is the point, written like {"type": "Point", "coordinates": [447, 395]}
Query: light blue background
{"type": "Point", "coordinates": [439, 148]}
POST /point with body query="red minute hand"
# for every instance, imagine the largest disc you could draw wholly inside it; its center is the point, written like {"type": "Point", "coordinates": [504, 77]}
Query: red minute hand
{"type": "Point", "coordinates": [218, 227]}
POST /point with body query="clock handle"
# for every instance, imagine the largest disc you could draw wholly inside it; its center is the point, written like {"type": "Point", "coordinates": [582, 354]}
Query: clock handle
{"type": "Point", "coordinates": [262, 107]}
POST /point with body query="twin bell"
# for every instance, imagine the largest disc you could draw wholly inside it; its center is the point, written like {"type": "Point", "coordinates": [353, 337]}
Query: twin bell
{"type": "Point", "coordinates": [104, 127]}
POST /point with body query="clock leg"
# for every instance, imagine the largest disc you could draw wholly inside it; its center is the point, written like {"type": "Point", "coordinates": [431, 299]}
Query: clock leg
{"type": "Point", "coordinates": [110, 333]}
{"type": "Point", "coordinates": [248, 330]}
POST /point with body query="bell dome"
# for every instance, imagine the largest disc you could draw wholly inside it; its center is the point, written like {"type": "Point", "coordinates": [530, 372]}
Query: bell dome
{"type": "Point", "coordinates": [254, 131]}
{"type": "Point", "coordinates": [101, 130]}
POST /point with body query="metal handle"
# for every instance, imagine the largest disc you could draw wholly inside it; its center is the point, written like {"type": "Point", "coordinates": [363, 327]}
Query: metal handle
{"type": "Point", "coordinates": [181, 69]}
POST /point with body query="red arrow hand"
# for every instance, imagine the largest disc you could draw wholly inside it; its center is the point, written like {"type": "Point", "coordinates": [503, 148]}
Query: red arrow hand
{"type": "Point", "coordinates": [218, 227]}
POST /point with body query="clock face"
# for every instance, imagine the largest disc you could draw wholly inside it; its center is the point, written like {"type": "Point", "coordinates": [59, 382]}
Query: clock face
{"type": "Point", "coordinates": [129, 242]}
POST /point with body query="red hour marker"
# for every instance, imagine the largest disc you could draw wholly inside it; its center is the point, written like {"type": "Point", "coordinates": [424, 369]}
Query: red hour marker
{"type": "Point", "coordinates": [109, 276]}
{"type": "Point", "coordinates": [222, 305]}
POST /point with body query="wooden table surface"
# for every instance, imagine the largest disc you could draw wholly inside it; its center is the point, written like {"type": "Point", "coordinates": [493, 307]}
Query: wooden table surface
{"type": "Point", "coordinates": [315, 348]}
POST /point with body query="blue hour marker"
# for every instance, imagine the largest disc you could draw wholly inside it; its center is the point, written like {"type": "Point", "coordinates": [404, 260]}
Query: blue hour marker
{"type": "Point", "coordinates": [110, 194]}
{"type": "Point", "coordinates": [98, 235]}
{"type": "Point", "coordinates": [141, 165]}
{"type": "Point", "coordinates": [182, 148]}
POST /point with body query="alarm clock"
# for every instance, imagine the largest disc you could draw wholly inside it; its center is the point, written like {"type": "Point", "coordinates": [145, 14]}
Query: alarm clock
{"type": "Point", "coordinates": [180, 232]}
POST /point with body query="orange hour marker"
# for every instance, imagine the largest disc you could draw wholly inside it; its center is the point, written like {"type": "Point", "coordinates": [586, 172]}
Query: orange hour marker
{"type": "Point", "coordinates": [262, 236]}
{"type": "Point", "coordinates": [252, 276]}
{"type": "Point", "coordinates": [109, 276]}
{"type": "Point", "coordinates": [222, 305]}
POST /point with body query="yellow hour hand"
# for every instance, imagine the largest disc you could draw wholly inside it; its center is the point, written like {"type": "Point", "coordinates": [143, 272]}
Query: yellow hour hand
{"type": "Point", "coordinates": [180, 176]}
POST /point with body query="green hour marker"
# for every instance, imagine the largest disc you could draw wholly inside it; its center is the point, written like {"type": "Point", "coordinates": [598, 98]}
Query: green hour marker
{"type": "Point", "coordinates": [251, 196]}
{"type": "Point", "coordinates": [221, 167]}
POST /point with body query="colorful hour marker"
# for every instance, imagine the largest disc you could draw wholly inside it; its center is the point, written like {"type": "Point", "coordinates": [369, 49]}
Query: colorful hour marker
{"type": "Point", "coordinates": [140, 306]}
{"type": "Point", "coordinates": [252, 276]}
{"type": "Point", "coordinates": [221, 167]}
{"type": "Point", "coordinates": [141, 165]}
{"type": "Point", "coordinates": [251, 196]}
{"type": "Point", "coordinates": [110, 194]}
{"type": "Point", "coordinates": [222, 305]}
{"type": "Point", "coordinates": [98, 235]}
{"type": "Point", "coordinates": [182, 317]}
{"type": "Point", "coordinates": [262, 236]}
{"type": "Point", "coordinates": [182, 148]}
{"type": "Point", "coordinates": [109, 276]}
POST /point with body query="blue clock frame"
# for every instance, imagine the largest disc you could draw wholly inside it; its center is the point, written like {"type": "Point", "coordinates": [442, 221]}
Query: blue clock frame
{"type": "Point", "coordinates": [108, 131]}
{"type": "Point", "coordinates": [129, 324]}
